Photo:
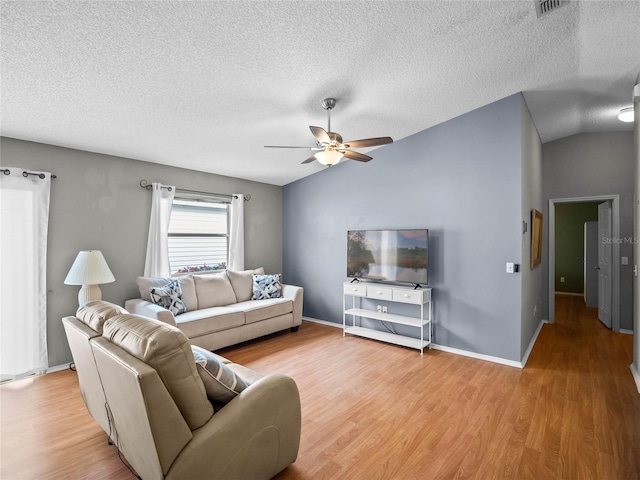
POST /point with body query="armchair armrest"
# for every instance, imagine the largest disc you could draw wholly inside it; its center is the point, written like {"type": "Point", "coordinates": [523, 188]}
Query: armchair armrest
{"type": "Point", "coordinates": [256, 435]}
{"type": "Point", "coordinates": [295, 293]}
{"type": "Point", "coordinates": [149, 309]}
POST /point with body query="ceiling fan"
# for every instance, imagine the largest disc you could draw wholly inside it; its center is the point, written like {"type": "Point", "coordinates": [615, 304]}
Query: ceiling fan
{"type": "Point", "coordinates": [329, 145]}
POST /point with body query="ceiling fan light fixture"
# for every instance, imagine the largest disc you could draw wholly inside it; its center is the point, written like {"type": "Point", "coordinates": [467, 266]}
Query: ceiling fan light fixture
{"type": "Point", "coordinates": [626, 115]}
{"type": "Point", "coordinates": [330, 146]}
{"type": "Point", "coordinates": [330, 156]}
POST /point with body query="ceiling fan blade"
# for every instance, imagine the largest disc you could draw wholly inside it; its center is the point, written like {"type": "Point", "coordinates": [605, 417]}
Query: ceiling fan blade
{"type": "Point", "coordinates": [321, 134]}
{"type": "Point", "coordinates": [309, 160]}
{"type": "Point", "coordinates": [369, 142]}
{"type": "Point", "coordinates": [289, 146]}
{"type": "Point", "coordinates": [361, 157]}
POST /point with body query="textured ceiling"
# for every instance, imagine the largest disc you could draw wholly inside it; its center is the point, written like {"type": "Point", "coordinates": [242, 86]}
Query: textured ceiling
{"type": "Point", "coordinates": [206, 84]}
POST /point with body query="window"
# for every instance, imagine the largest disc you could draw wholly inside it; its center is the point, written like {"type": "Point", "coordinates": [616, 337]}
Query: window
{"type": "Point", "coordinates": [198, 235]}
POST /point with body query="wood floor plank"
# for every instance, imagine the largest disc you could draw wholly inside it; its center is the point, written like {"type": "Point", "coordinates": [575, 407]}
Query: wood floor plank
{"type": "Point", "coordinates": [371, 410]}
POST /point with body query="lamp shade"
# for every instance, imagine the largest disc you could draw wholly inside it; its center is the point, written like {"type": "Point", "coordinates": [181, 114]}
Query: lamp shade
{"type": "Point", "coordinates": [330, 156]}
{"type": "Point", "coordinates": [89, 268]}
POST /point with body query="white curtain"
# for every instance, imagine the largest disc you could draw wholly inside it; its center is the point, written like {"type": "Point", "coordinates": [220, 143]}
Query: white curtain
{"type": "Point", "coordinates": [24, 218]}
{"type": "Point", "coordinates": [157, 261]}
{"type": "Point", "coordinates": [236, 233]}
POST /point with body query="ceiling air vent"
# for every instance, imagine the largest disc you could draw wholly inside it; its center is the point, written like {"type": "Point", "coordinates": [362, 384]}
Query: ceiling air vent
{"type": "Point", "coordinates": [543, 7]}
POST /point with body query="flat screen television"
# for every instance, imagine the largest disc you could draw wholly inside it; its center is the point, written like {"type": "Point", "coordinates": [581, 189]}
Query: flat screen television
{"type": "Point", "coordinates": [400, 256]}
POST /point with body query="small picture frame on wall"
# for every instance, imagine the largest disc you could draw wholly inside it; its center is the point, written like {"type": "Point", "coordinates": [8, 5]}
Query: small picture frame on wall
{"type": "Point", "coordinates": [536, 238]}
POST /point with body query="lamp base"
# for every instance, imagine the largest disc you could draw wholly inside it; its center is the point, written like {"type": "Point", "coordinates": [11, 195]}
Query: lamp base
{"type": "Point", "coordinates": [89, 293]}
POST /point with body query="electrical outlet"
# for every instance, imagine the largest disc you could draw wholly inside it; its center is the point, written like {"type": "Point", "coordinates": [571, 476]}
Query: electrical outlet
{"type": "Point", "coordinates": [379, 308]}
{"type": "Point", "coordinates": [561, 279]}
{"type": "Point", "coordinates": [384, 309]}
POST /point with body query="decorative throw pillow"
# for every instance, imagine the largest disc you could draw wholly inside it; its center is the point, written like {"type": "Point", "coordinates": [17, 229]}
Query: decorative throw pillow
{"type": "Point", "coordinates": [266, 286]}
{"type": "Point", "coordinates": [221, 383]}
{"type": "Point", "coordinates": [170, 297]}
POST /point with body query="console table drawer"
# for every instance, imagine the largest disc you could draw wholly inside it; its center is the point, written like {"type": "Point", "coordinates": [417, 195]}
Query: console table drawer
{"type": "Point", "coordinates": [411, 296]}
{"type": "Point", "coordinates": [381, 293]}
{"type": "Point", "coordinates": [354, 289]}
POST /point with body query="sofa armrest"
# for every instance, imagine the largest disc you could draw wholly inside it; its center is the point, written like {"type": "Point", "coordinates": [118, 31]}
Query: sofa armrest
{"type": "Point", "coordinates": [256, 435]}
{"type": "Point", "coordinates": [144, 308]}
{"type": "Point", "coordinates": [294, 293]}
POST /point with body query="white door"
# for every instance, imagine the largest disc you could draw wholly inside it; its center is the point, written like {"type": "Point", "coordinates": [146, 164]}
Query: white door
{"type": "Point", "coordinates": [605, 260]}
{"type": "Point", "coordinates": [591, 264]}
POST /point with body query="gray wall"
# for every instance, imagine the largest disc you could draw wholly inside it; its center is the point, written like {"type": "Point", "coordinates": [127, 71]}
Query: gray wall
{"type": "Point", "coordinates": [569, 245]}
{"type": "Point", "coordinates": [97, 203]}
{"type": "Point", "coordinates": [592, 164]}
{"type": "Point", "coordinates": [532, 298]}
{"type": "Point", "coordinates": [460, 179]}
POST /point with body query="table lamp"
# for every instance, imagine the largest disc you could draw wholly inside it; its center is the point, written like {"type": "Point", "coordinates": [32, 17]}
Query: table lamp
{"type": "Point", "coordinates": [89, 270]}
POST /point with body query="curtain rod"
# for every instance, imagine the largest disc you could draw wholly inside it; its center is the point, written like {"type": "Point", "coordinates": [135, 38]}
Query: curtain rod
{"type": "Point", "coordinates": [25, 174]}
{"type": "Point", "coordinates": [147, 186]}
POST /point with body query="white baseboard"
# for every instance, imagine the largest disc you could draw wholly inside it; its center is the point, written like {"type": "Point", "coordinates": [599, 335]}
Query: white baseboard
{"type": "Point", "coordinates": [572, 294]}
{"type": "Point", "coordinates": [626, 332]}
{"type": "Point", "coordinates": [636, 375]}
{"type": "Point", "coordinates": [455, 351]}
{"type": "Point", "coordinates": [525, 358]}
{"type": "Point", "coordinates": [58, 368]}
{"type": "Point", "coordinates": [477, 356]}
{"type": "Point", "coordinates": [323, 322]}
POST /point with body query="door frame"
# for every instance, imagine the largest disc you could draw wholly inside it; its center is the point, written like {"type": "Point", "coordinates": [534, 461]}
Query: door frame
{"type": "Point", "coordinates": [615, 268]}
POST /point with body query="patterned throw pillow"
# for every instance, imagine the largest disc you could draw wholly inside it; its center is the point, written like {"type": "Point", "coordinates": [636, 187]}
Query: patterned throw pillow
{"type": "Point", "coordinates": [170, 297]}
{"type": "Point", "coordinates": [266, 286]}
{"type": "Point", "coordinates": [221, 383]}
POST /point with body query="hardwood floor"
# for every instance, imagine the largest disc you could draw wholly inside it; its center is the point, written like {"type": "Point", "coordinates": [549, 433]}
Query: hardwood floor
{"type": "Point", "coordinates": [377, 411]}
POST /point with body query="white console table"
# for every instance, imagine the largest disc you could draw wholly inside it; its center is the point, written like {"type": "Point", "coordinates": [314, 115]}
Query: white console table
{"type": "Point", "coordinates": [418, 296]}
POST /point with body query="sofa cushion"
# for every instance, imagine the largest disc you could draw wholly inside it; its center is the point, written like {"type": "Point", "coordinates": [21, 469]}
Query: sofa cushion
{"type": "Point", "coordinates": [170, 297]}
{"type": "Point", "coordinates": [242, 283]}
{"type": "Point", "coordinates": [95, 313]}
{"type": "Point", "coordinates": [145, 284]}
{"type": "Point", "coordinates": [209, 320]}
{"type": "Point", "coordinates": [221, 383]}
{"type": "Point", "coordinates": [264, 309]}
{"type": "Point", "coordinates": [266, 286]}
{"type": "Point", "coordinates": [188, 287]}
{"type": "Point", "coordinates": [166, 349]}
{"type": "Point", "coordinates": [214, 290]}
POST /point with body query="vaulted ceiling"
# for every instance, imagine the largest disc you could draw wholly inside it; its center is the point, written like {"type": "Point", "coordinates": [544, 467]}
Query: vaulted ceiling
{"type": "Point", "coordinates": [206, 84]}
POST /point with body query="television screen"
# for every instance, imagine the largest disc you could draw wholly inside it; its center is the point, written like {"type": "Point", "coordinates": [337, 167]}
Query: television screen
{"type": "Point", "coordinates": [388, 255]}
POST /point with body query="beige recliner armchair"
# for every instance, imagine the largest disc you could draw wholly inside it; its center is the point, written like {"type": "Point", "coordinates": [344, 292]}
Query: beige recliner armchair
{"type": "Point", "coordinates": [160, 417]}
{"type": "Point", "coordinates": [88, 324]}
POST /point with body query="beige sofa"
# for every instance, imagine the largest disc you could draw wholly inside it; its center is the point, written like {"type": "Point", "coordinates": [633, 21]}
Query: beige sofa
{"type": "Point", "coordinates": [140, 381]}
{"type": "Point", "coordinates": [220, 311]}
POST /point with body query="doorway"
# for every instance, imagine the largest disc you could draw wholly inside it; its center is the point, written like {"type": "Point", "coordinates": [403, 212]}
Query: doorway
{"type": "Point", "coordinates": [613, 267]}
